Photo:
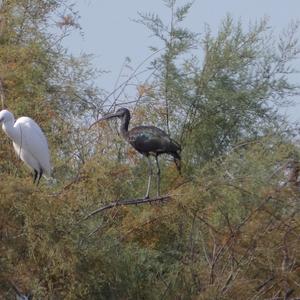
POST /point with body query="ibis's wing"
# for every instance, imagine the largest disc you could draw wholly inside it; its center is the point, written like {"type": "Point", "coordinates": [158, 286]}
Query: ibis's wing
{"type": "Point", "coordinates": [34, 141]}
{"type": "Point", "coordinates": [150, 138]}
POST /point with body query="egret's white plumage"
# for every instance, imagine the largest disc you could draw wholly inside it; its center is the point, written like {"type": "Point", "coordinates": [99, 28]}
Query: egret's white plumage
{"type": "Point", "coordinates": [29, 142]}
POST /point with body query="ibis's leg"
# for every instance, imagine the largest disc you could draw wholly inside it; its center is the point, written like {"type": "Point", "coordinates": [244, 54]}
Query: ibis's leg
{"type": "Point", "coordinates": [39, 177]}
{"type": "Point", "coordinates": [158, 176]}
{"type": "Point", "coordinates": [35, 175]}
{"type": "Point", "coordinates": [149, 178]}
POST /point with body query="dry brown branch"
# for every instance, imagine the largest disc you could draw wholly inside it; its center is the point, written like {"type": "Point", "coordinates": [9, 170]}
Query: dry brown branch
{"type": "Point", "coordinates": [2, 97]}
{"type": "Point", "coordinates": [228, 281]}
{"type": "Point", "coordinates": [127, 202]}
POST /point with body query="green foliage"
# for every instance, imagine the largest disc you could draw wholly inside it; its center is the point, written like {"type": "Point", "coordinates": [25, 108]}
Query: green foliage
{"type": "Point", "coordinates": [231, 225]}
{"type": "Point", "coordinates": [235, 79]}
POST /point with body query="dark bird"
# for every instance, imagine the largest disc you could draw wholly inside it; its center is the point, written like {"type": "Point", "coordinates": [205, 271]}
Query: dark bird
{"type": "Point", "coordinates": [147, 140]}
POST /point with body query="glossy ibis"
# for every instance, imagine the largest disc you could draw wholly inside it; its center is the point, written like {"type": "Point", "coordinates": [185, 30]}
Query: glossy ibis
{"type": "Point", "coordinates": [29, 143]}
{"type": "Point", "coordinates": [147, 140]}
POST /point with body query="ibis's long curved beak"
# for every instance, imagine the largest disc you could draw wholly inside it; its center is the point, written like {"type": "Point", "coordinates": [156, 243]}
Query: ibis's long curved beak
{"type": "Point", "coordinates": [106, 117]}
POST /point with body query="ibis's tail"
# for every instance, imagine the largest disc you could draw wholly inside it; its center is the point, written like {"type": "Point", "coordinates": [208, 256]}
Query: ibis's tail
{"type": "Point", "coordinates": [177, 161]}
{"type": "Point", "coordinates": [175, 152]}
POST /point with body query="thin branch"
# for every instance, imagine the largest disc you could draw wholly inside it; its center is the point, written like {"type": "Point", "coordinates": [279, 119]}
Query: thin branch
{"type": "Point", "coordinates": [123, 85]}
{"type": "Point", "coordinates": [127, 202]}
{"type": "Point", "coordinates": [2, 96]}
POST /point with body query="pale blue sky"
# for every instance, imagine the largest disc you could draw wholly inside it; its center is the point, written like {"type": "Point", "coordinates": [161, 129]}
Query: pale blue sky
{"type": "Point", "coordinates": [111, 35]}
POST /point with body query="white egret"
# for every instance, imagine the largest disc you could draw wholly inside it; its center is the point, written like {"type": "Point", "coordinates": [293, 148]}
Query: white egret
{"type": "Point", "coordinates": [29, 143]}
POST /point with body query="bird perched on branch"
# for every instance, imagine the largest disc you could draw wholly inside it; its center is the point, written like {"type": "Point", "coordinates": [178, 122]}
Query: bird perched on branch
{"type": "Point", "coordinates": [147, 140]}
{"type": "Point", "coordinates": [29, 143]}
{"type": "Point", "coordinates": [19, 295]}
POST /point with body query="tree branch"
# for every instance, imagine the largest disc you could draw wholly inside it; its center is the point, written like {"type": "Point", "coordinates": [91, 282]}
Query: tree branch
{"type": "Point", "coordinates": [127, 202]}
{"type": "Point", "coordinates": [2, 96]}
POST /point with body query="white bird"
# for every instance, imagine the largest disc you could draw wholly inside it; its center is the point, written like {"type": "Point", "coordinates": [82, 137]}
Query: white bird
{"type": "Point", "coordinates": [29, 143]}
{"type": "Point", "coordinates": [19, 295]}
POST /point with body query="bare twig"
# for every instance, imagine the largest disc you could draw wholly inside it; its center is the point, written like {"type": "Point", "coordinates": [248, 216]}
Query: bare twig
{"type": "Point", "coordinates": [123, 85]}
{"type": "Point", "coordinates": [2, 97]}
{"type": "Point", "coordinates": [127, 202]}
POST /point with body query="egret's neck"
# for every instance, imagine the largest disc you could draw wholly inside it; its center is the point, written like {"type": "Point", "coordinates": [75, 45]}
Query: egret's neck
{"type": "Point", "coordinates": [124, 125]}
{"type": "Point", "coordinates": [12, 131]}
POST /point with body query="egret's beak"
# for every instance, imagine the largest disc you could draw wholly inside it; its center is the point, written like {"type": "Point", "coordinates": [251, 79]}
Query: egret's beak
{"type": "Point", "coordinates": [106, 117]}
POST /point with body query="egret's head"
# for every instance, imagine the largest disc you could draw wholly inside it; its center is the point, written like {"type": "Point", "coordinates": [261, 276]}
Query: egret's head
{"type": "Point", "coordinates": [6, 116]}
{"type": "Point", "coordinates": [120, 113]}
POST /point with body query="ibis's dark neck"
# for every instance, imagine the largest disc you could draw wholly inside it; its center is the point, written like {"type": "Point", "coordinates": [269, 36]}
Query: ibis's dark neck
{"type": "Point", "coordinates": [124, 124]}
